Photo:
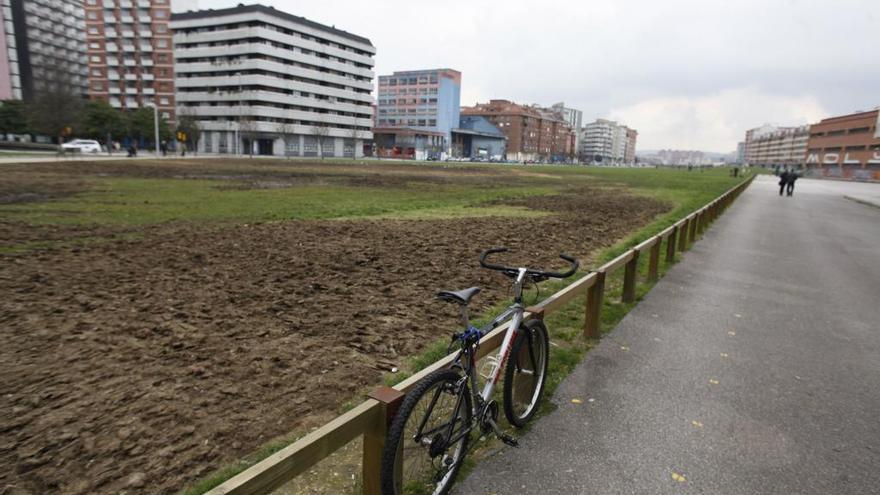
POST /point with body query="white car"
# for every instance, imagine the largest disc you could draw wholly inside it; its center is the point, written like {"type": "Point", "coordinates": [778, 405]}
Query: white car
{"type": "Point", "coordinates": [82, 145]}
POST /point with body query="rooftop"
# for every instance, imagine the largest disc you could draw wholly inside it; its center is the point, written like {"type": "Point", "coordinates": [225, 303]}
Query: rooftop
{"type": "Point", "coordinates": [254, 8]}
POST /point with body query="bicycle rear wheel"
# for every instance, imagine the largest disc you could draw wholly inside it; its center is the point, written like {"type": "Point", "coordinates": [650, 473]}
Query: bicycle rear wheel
{"type": "Point", "coordinates": [428, 438]}
{"type": "Point", "coordinates": [526, 372]}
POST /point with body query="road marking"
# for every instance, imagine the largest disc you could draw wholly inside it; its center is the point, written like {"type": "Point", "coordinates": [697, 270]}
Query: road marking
{"type": "Point", "coordinates": [713, 381]}
{"type": "Point", "coordinates": [679, 478]}
{"type": "Point", "coordinates": [576, 401]}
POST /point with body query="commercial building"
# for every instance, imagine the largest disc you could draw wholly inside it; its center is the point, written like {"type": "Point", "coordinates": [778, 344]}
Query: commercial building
{"type": "Point", "coordinates": [847, 146]}
{"type": "Point", "coordinates": [415, 108]}
{"type": "Point", "coordinates": [262, 81]}
{"type": "Point", "coordinates": [131, 64]}
{"type": "Point", "coordinates": [42, 43]}
{"type": "Point", "coordinates": [533, 133]}
{"type": "Point", "coordinates": [774, 146]}
{"type": "Point", "coordinates": [607, 142]}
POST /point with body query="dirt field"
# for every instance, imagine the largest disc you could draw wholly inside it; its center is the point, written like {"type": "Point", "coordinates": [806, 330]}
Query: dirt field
{"type": "Point", "coordinates": [140, 365]}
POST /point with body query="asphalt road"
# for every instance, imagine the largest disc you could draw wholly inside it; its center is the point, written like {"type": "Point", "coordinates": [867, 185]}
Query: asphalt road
{"type": "Point", "coordinates": [753, 367]}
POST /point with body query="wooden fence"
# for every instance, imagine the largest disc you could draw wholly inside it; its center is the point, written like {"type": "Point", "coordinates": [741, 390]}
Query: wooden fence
{"type": "Point", "coordinates": [370, 418]}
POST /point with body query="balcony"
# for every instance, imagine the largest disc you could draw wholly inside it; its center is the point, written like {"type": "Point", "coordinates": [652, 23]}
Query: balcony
{"type": "Point", "coordinates": [130, 63]}
{"type": "Point", "coordinates": [145, 19]}
{"type": "Point", "coordinates": [149, 91]}
{"type": "Point", "coordinates": [114, 90]}
{"type": "Point", "coordinates": [131, 91]}
{"type": "Point", "coordinates": [131, 77]}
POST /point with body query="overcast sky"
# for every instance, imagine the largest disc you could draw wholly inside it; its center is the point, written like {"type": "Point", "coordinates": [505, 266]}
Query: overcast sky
{"type": "Point", "coordinates": [685, 74]}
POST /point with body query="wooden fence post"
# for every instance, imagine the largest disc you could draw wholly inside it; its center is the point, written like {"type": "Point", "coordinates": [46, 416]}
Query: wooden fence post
{"type": "Point", "coordinates": [692, 229]}
{"type": "Point", "coordinates": [629, 278]}
{"type": "Point", "coordinates": [670, 245]}
{"type": "Point", "coordinates": [592, 318]}
{"type": "Point", "coordinates": [654, 261]}
{"type": "Point", "coordinates": [374, 438]}
{"type": "Point", "coordinates": [683, 235]}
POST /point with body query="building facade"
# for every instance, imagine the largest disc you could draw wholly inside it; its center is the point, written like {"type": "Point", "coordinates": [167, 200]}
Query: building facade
{"type": "Point", "coordinates": [847, 146]}
{"type": "Point", "coordinates": [574, 119]}
{"type": "Point", "coordinates": [262, 81]}
{"type": "Point", "coordinates": [477, 138]}
{"type": "Point", "coordinates": [44, 47]}
{"type": "Point", "coordinates": [131, 62]}
{"type": "Point", "coordinates": [426, 101]}
{"type": "Point", "coordinates": [629, 154]}
{"type": "Point", "coordinates": [773, 146]}
{"type": "Point", "coordinates": [607, 142]}
{"type": "Point", "coordinates": [533, 133]}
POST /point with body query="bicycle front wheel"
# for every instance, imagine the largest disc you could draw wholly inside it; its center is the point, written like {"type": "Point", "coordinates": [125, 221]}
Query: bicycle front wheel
{"type": "Point", "coordinates": [428, 439]}
{"type": "Point", "coordinates": [526, 372]}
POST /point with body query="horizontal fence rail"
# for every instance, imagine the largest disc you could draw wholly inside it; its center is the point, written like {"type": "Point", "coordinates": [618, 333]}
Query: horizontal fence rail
{"type": "Point", "coordinates": [370, 418]}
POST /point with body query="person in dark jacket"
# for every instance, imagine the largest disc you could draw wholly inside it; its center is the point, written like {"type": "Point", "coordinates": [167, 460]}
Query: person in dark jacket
{"type": "Point", "coordinates": [783, 180]}
{"type": "Point", "coordinates": [792, 176]}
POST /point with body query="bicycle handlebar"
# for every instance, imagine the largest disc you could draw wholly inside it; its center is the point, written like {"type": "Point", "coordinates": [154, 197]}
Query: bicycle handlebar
{"type": "Point", "coordinates": [572, 261]}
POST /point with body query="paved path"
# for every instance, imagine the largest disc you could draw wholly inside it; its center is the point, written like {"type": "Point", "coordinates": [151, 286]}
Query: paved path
{"type": "Point", "coordinates": [752, 367]}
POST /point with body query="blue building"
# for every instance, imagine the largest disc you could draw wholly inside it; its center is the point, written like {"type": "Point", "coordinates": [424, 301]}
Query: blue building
{"type": "Point", "coordinates": [477, 137]}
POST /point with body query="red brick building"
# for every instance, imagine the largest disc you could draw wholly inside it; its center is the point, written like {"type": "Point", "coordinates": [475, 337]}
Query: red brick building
{"type": "Point", "coordinates": [533, 133]}
{"type": "Point", "coordinates": [847, 146]}
{"type": "Point", "coordinates": [131, 61]}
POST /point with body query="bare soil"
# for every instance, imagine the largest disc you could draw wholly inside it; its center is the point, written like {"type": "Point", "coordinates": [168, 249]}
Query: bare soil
{"type": "Point", "coordinates": [140, 365]}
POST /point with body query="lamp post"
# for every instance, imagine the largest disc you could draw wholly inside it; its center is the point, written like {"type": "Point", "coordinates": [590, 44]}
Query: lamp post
{"type": "Point", "coordinates": [156, 128]}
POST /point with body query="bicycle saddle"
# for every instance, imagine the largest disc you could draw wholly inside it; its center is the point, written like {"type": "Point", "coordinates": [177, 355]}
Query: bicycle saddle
{"type": "Point", "coordinates": [461, 297]}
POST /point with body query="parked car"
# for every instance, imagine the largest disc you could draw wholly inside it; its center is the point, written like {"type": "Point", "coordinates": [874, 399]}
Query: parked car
{"type": "Point", "coordinates": [82, 146]}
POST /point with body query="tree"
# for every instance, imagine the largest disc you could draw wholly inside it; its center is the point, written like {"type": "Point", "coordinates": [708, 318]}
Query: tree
{"type": "Point", "coordinates": [247, 127]}
{"type": "Point", "coordinates": [190, 127]}
{"type": "Point", "coordinates": [56, 109]}
{"type": "Point", "coordinates": [13, 117]}
{"type": "Point", "coordinates": [141, 125]}
{"type": "Point", "coordinates": [287, 132]}
{"type": "Point", "coordinates": [354, 133]}
{"type": "Point", "coordinates": [321, 131]}
{"type": "Point", "coordinates": [101, 121]}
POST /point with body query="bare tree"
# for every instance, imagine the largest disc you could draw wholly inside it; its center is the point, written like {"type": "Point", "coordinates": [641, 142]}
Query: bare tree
{"type": "Point", "coordinates": [189, 125]}
{"type": "Point", "coordinates": [56, 108]}
{"type": "Point", "coordinates": [286, 130]}
{"type": "Point", "coordinates": [354, 134]}
{"type": "Point", "coordinates": [248, 130]}
{"type": "Point", "coordinates": [321, 131]}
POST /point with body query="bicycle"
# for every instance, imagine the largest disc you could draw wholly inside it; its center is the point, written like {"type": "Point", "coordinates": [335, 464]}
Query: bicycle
{"type": "Point", "coordinates": [428, 439]}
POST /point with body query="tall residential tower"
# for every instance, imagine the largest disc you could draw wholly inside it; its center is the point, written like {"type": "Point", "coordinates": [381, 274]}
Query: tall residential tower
{"type": "Point", "coordinates": [130, 53]}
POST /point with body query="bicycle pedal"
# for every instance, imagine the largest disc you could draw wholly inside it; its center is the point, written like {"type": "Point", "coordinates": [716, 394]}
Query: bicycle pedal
{"type": "Point", "coordinates": [509, 440]}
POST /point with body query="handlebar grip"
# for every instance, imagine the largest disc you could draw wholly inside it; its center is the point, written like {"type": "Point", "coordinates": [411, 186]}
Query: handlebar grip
{"type": "Point", "coordinates": [574, 266]}
{"type": "Point", "coordinates": [486, 254]}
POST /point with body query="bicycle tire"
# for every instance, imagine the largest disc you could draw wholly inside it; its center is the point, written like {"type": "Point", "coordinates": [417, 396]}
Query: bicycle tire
{"type": "Point", "coordinates": [398, 433]}
{"type": "Point", "coordinates": [517, 384]}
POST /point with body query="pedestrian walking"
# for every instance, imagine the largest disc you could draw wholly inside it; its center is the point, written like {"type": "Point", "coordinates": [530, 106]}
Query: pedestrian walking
{"type": "Point", "coordinates": [792, 176]}
{"type": "Point", "coordinates": [783, 180]}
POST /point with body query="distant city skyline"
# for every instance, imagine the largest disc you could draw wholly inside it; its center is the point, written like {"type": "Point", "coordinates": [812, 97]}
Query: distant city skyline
{"type": "Point", "coordinates": [686, 74]}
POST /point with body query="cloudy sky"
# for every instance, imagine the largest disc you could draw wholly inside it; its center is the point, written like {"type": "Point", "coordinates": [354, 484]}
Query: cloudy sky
{"type": "Point", "coordinates": [685, 74]}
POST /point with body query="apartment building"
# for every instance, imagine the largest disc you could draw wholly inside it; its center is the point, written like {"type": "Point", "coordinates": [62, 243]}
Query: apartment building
{"type": "Point", "coordinates": [846, 146]}
{"type": "Point", "coordinates": [574, 118]}
{"type": "Point", "coordinates": [267, 82]}
{"type": "Point", "coordinates": [533, 133]}
{"type": "Point", "coordinates": [131, 63]}
{"type": "Point", "coordinates": [774, 146]}
{"type": "Point", "coordinates": [415, 108]}
{"type": "Point", "coordinates": [605, 141]}
{"type": "Point", "coordinates": [42, 42]}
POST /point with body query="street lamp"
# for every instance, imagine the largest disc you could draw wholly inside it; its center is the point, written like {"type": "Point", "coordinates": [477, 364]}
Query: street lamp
{"type": "Point", "coordinates": [155, 127]}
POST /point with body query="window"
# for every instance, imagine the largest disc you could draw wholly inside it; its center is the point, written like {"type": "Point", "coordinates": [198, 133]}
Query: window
{"type": "Point", "coordinates": [859, 130]}
{"type": "Point", "coordinates": [93, 30]}
{"type": "Point", "coordinates": [92, 15]}
{"type": "Point", "coordinates": [95, 59]}
{"type": "Point", "coordinates": [161, 28]}
{"type": "Point", "coordinates": [160, 14]}
{"type": "Point", "coordinates": [292, 145]}
{"type": "Point", "coordinates": [161, 43]}
{"type": "Point", "coordinates": [164, 100]}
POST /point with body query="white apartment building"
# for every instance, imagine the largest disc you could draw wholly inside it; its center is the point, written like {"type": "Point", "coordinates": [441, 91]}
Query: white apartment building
{"type": "Point", "coordinates": [770, 145]}
{"type": "Point", "coordinates": [43, 41]}
{"type": "Point", "coordinates": [265, 82]}
{"type": "Point", "coordinates": [607, 142]}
